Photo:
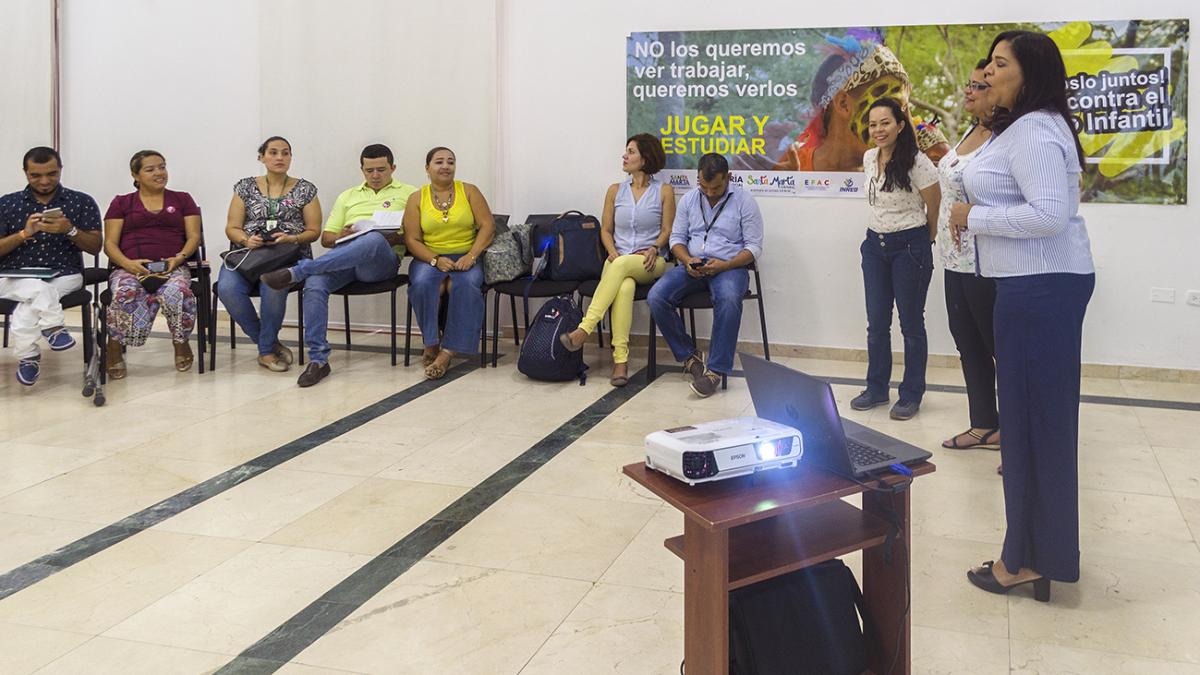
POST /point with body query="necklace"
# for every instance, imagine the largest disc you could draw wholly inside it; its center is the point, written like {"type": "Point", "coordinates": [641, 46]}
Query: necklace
{"type": "Point", "coordinates": [438, 204]}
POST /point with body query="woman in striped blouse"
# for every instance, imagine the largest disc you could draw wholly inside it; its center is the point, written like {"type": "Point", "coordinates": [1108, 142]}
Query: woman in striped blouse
{"type": "Point", "coordinates": [1023, 188]}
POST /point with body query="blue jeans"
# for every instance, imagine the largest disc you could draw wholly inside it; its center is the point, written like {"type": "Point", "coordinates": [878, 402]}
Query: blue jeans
{"type": "Point", "coordinates": [234, 291]}
{"type": "Point", "coordinates": [897, 268]}
{"type": "Point", "coordinates": [727, 290]}
{"type": "Point", "coordinates": [464, 320]}
{"type": "Point", "coordinates": [368, 258]}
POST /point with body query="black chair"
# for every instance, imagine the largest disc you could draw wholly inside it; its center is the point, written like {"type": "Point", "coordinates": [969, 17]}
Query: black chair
{"type": "Point", "coordinates": [540, 288]}
{"type": "Point", "coordinates": [354, 288]}
{"type": "Point", "coordinates": [201, 287]}
{"type": "Point", "coordinates": [296, 289]}
{"type": "Point", "coordinates": [703, 300]}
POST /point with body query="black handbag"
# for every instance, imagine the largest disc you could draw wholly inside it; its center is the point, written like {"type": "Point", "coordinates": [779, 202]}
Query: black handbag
{"type": "Point", "coordinates": [252, 263]}
{"type": "Point", "coordinates": [802, 623]}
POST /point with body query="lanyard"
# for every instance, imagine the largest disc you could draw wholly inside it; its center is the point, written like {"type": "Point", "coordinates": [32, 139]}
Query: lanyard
{"type": "Point", "coordinates": [708, 224]}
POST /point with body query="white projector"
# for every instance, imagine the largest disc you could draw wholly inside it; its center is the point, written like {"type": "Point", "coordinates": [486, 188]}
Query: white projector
{"type": "Point", "coordinates": [699, 453]}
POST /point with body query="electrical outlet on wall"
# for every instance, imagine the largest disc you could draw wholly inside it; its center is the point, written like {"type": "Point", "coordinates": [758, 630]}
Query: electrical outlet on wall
{"type": "Point", "coordinates": [1193, 298]}
{"type": "Point", "coordinates": [1166, 295]}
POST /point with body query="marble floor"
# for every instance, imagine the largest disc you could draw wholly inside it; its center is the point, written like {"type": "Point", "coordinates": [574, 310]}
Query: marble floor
{"type": "Point", "coordinates": [374, 524]}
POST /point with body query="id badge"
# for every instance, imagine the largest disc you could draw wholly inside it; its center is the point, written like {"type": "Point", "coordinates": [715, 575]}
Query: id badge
{"type": "Point", "coordinates": [272, 224]}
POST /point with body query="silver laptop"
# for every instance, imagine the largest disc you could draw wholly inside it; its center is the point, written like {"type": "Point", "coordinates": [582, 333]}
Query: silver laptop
{"type": "Point", "coordinates": [791, 397]}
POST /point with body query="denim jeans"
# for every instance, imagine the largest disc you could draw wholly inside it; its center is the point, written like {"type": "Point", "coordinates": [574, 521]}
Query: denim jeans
{"type": "Point", "coordinates": [465, 310]}
{"type": "Point", "coordinates": [897, 268]}
{"type": "Point", "coordinates": [234, 291]}
{"type": "Point", "coordinates": [727, 290]}
{"type": "Point", "coordinates": [368, 258]}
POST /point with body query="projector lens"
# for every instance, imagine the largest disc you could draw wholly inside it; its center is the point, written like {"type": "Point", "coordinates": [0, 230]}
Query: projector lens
{"type": "Point", "coordinates": [767, 450]}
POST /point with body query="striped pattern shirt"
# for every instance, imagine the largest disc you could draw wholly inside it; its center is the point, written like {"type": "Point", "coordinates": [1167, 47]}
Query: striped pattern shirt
{"type": "Point", "coordinates": [1024, 188]}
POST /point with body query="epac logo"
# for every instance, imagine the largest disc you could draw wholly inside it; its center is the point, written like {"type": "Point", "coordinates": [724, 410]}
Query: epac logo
{"type": "Point", "coordinates": [816, 182]}
{"type": "Point", "coordinates": [848, 186]}
{"type": "Point", "coordinates": [680, 180]}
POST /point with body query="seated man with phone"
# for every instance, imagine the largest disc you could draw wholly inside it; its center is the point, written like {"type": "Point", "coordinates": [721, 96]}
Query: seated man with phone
{"type": "Point", "coordinates": [43, 230]}
{"type": "Point", "coordinates": [718, 231]}
{"type": "Point", "coordinates": [371, 257]}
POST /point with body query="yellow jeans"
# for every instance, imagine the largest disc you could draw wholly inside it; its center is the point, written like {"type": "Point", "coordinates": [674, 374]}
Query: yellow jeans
{"type": "Point", "coordinates": [617, 283]}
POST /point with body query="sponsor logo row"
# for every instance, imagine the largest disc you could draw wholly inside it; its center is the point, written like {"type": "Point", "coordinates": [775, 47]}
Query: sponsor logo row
{"type": "Point", "coordinates": [780, 183]}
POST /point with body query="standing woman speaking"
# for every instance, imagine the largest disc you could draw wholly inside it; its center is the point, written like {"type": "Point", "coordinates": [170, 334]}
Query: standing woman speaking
{"type": "Point", "coordinates": [897, 257]}
{"type": "Point", "coordinates": [1024, 214]}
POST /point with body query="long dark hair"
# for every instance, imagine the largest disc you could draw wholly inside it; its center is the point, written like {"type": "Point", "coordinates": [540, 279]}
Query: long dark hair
{"type": "Point", "coordinates": [1045, 86]}
{"type": "Point", "coordinates": [904, 155]}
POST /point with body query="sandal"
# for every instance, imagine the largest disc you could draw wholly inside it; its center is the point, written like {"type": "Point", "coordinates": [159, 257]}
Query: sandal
{"type": "Point", "coordinates": [983, 441]}
{"type": "Point", "coordinates": [184, 358]}
{"type": "Point", "coordinates": [437, 369]}
{"type": "Point", "coordinates": [116, 361]}
{"type": "Point", "coordinates": [428, 358]}
{"type": "Point", "coordinates": [620, 380]}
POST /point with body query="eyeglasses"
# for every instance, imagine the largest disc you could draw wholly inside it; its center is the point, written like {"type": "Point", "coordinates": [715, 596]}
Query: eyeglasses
{"type": "Point", "coordinates": [977, 86]}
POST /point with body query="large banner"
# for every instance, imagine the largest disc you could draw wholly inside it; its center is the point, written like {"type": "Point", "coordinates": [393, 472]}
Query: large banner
{"type": "Point", "coordinates": [788, 107]}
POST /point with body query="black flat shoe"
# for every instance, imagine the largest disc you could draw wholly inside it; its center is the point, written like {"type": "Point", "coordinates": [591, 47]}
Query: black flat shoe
{"type": "Point", "coordinates": [987, 581]}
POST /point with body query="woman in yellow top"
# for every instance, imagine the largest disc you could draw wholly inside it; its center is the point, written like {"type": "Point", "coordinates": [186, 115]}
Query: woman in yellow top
{"type": "Point", "coordinates": [447, 226]}
{"type": "Point", "coordinates": [638, 213]}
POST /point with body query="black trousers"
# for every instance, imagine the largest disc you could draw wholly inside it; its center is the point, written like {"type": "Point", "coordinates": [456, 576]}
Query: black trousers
{"type": "Point", "coordinates": [1039, 338]}
{"type": "Point", "coordinates": [970, 302]}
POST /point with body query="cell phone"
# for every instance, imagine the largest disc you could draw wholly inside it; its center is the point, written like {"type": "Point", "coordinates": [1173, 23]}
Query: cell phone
{"type": "Point", "coordinates": [52, 213]}
{"type": "Point", "coordinates": [156, 266]}
{"type": "Point", "coordinates": [697, 264]}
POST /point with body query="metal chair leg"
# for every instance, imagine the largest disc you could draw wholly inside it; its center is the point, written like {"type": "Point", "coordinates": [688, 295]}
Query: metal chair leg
{"type": "Point", "coordinates": [394, 327]}
{"type": "Point", "coordinates": [407, 330]}
{"type": "Point", "coordinates": [300, 326]}
{"type": "Point", "coordinates": [652, 351]}
{"type": "Point", "coordinates": [495, 328]}
{"type": "Point", "coordinates": [512, 306]}
{"type": "Point", "coordinates": [346, 318]}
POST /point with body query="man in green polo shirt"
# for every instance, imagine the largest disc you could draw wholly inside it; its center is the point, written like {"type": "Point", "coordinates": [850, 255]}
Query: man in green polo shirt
{"type": "Point", "coordinates": [371, 257]}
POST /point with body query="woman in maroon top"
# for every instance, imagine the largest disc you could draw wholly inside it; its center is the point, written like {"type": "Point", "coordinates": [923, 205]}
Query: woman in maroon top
{"type": "Point", "coordinates": [146, 229]}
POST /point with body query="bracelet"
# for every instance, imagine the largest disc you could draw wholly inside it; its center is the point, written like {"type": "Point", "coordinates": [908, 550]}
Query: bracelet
{"type": "Point", "coordinates": [24, 237]}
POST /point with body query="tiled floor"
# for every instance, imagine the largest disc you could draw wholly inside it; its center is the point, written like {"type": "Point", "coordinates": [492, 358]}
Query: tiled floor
{"type": "Point", "coordinates": [563, 574]}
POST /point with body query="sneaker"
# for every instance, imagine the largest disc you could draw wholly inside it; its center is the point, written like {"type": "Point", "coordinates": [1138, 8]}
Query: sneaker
{"type": "Point", "coordinates": [313, 373]}
{"type": "Point", "coordinates": [706, 385]}
{"type": "Point", "coordinates": [693, 367]}
{"type": "Point", "coordinates": [278, 279]}
{"type": "Point", "coordinates": [864, 401]}
{"type": "Point", "coordinates": [904, 410]}
{"type": "Point", "coordinates": [59, 339]}
{"type": "Point", "coordinates": [28, 371]}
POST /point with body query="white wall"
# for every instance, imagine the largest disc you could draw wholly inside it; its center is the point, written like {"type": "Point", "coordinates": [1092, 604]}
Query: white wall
{"type": "Point", "coordinates": [26, 115]}
{"type": "Point", "coordinates": [563, 117]}
{"type": "Point", "coordinates": [205, 82]}
{"type": "Point", "coordinates": [537, 116]}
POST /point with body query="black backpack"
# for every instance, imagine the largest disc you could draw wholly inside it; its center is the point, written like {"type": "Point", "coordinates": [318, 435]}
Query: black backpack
{"type": "Point", "coordinates": [805, 622]}
{"type": "Point", "coordinates": [543, 356]}
{"type": "Point", "coordinates": [572, 247]}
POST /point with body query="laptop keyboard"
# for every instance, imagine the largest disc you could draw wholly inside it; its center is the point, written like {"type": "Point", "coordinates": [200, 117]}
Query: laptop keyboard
{"type": "Point", "coordinates": [862, 455]}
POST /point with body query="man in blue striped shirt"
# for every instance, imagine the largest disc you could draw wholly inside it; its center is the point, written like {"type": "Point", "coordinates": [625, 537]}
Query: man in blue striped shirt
{"type": "Point", "coordinates": [717, 233]}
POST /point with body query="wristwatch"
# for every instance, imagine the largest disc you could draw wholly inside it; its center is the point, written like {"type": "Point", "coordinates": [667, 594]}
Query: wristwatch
{"type": "Point", "coordinates": [73, 231]}
{"type": "Point", "coordinates": [433, 261]}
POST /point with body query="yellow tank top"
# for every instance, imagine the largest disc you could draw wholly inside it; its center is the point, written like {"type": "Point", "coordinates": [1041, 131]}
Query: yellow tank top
{"type": "Point", "coordinates": [450, 231]}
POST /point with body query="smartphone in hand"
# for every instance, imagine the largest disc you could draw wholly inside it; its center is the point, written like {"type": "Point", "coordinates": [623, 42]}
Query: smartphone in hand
{"type": "Point", "coordinates": [156, 266]}
{"type": "Point", "coordinates": [52, 213]}
{"type": "Point", "coordinates": [698, 263]}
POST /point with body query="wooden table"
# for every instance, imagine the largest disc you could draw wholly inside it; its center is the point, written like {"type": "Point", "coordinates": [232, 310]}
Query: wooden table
{"type": "Point", "coordinates": [740, 531]}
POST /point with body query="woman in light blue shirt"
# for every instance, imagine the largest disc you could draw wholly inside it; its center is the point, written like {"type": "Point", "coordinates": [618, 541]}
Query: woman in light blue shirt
{"type": "Point", "coordinates": [634, 228]}
{"type": "Point", "coordinates": [1023, 188]}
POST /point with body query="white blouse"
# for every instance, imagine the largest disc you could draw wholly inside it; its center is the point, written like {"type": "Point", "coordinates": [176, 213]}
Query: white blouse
{"type": "Point", "coordinates": [898, 209]}
{"type": "Point", "coordinates": [950, 175]}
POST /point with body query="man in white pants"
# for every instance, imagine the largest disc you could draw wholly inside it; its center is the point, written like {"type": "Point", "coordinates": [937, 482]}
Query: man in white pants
{"type": "Point", "coordinates": [43, 226]}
